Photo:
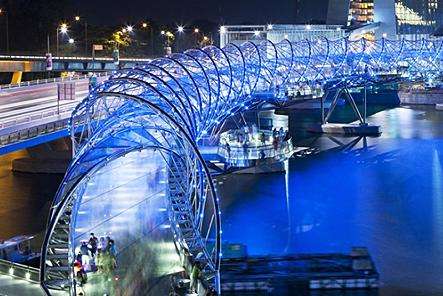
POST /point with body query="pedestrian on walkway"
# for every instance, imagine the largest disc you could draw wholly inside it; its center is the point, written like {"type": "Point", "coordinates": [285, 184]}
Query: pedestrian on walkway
{"type": "Point", "coordinates": [93, 243]}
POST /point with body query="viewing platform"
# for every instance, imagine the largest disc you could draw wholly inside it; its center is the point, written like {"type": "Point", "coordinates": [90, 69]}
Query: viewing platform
{"type": "Point", "coordinates": [257, 151]}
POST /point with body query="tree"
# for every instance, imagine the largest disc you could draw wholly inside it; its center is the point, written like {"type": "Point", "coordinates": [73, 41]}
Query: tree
{"type": "Point", "coordinates": [120, 39]}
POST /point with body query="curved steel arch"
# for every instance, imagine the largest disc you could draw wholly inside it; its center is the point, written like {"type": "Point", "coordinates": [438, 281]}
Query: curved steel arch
{"type": "Point", "coordinates": [172, 103]}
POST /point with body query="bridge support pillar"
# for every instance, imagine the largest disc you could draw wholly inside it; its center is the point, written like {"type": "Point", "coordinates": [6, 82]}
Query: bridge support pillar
{"type": "Point", "coordinates": [357, 129]}
{"type": "Point", "coordinates": [50, 158]}
{"type": "Point", "coordinates": [17, 77]}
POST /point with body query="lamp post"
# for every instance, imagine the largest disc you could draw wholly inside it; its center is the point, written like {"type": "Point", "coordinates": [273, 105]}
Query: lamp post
{"type": "Point", "coordinates": [197, 35]}
{"type": "Point", "coordinates": [146, 25]}
{"type": "Point", "coordinates": [63, 28]}
{"type": "Point", "coordinates": [78, 19]}
{"type": "Point", "coordinates": [180, 31]}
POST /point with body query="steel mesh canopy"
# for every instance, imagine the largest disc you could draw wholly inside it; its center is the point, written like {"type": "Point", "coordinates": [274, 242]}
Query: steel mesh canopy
{"type": "Point", "coordinates": [173, 102]}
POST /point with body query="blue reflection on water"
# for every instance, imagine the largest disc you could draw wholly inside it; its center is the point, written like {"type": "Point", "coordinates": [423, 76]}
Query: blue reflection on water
{"type": "Point", "coordinates": [386, 196]}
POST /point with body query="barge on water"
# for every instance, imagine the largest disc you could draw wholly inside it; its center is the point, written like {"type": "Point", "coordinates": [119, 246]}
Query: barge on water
{"type": "Point", "coordinates": [299, 274]}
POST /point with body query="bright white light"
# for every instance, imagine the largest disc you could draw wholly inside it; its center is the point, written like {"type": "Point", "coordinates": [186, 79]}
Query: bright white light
{"type": "Point", "coordinates": [129, 28]}
{"type": "Point", "coordinates": [270, 27]}
{"type": "Point", "coordinates": [256, 33]}
{"type": "Point", "coordinates": [308, 27]}
{"type": "Point", "coordinates": [64, 29]}
{"type": "Point", "coordinates": [222, 29]}
{"type": "Point", "coordinates": [71, 41]}
{"type": "Point", "coordinates": [180, 29]}
{"type": "Point", "coordinates": [286, 36]}
{"type": "Point", "coordinates": [385, 35]}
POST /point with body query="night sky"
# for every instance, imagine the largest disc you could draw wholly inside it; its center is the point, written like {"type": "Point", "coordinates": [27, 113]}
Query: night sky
{"type": "Point", "coordinates": [166, 11]}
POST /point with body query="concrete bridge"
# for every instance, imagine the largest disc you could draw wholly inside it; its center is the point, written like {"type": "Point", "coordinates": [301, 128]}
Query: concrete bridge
{"type": "Point", "coordinates": [32, 113]}
{"type": "Point", "coordinates": [23, 63]}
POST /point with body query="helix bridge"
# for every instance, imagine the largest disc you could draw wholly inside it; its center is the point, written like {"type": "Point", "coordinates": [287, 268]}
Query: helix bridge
{"type": "Point", "coordinates": [167, 106]}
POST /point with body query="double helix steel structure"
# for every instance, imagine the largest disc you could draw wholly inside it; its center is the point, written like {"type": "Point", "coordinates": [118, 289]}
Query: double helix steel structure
{"type": "Point", "coordinates": [171, 103]}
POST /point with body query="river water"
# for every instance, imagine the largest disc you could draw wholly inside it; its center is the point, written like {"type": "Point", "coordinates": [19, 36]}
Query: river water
{"type": "Point", "coordinates": [383, 193]}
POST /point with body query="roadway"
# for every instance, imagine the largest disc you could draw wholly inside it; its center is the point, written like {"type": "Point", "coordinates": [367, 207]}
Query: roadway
{"type": "Point", "coordinates": [18, 101]}
{"type": "Point", "coordinates": [30, 111]}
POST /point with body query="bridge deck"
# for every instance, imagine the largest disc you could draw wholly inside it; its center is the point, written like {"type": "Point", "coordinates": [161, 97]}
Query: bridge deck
{"type": "Point", "coordinates": [16, 287]}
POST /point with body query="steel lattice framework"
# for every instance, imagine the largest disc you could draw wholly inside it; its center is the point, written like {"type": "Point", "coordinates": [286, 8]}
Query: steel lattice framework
{"type": "Point", "coordinates": [173, 102]}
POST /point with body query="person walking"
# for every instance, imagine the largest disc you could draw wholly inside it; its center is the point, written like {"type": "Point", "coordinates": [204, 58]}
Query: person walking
{"type": "Point", "coordinates": [228, 150]}
{"type": "Point", "coordinates": [195, 275]}
{"type": "Point", "coordinates": [93, 243]}
{"type": "Point", "coordinates": [262, 154]}
{"type": "Point", "coordinates": [263, 138]}
{"type": "Point", "coordinates": [245, 149]}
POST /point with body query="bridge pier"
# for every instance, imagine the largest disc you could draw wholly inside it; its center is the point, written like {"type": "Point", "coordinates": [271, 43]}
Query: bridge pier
{"type": "Point", "coordinates": [17, 77]}
{"type": "Point", "coordinates": [359, 128]}
{"type": "Point", "coordinates": [48, 158]}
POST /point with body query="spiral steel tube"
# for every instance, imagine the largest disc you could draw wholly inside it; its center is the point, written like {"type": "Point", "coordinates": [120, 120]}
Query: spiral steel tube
{"type": "Point", "coordinates": [173, 102]}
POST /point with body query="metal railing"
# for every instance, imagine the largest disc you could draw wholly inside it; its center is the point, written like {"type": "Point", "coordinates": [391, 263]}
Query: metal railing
{"type": "Point", "coordinates": [49, 80]}
{"type": "Point", "coordinates": [39, 115]}
{"type": "Point", "coordinates": [20, 129]}
{"type": "Point", "coordinates": [19, 271]}
{"type": "Point", "coordinates": [283, 150]}
{"type": "Point", "coordinates": [71, 58]}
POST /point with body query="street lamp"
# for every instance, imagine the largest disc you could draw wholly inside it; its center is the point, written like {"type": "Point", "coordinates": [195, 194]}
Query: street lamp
{"type": "Point", "coordinates": [71, 40]}
{"type": "Point", "coordinates": [145, 26]}
{"type": "Point", "coordinates": [180, 30]}
{"type": "Point", "coordinates": [63, 28]}
{"type": "Point", "coordinates": [77, 18]}
{"type": "Point", "coordinates": [196, 30]}
{"type": "Point", "coordinates": [130, 29]}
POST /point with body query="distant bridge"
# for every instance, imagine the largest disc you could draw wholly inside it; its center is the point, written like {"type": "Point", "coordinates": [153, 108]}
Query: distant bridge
{"type": "Point", "coordinates": [30, 63]}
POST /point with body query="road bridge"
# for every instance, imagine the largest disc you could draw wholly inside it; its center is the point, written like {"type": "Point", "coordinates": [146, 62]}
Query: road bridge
{"type": "Point", "coordinates": [32, 114]}
{"type": "Point", "coordinates": [28, 63]}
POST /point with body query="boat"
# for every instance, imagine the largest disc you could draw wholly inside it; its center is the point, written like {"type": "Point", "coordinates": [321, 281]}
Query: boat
{"type": "Point", "coordinates": [18, 249]}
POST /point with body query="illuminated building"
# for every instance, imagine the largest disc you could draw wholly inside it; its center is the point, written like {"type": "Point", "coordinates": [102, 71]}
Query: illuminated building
{"type": "Point", "coordinates": [410, 19]}
{"type": "Point", "coordinates": [277, 33]}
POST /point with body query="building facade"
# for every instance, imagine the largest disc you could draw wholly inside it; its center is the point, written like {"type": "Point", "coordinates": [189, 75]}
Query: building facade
{"type": "Point", "coordinates": [277, 33]}
{"type": "Point", "coordinates": [410, 19]}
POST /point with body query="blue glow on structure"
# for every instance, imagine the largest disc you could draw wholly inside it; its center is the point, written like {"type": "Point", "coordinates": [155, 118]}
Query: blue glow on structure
{"type": "Point", "coordinates": [171, 103]}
